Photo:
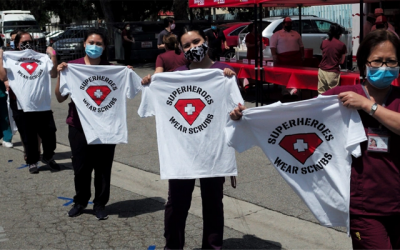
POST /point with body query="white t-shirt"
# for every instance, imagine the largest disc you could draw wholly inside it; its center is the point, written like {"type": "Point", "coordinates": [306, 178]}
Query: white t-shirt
{"type": "Point", "coordinates": [310, 143]}
{"type": "Point", "coordinates": [285, 41]}
{"type": "Point", "coordinates": [99, 93]}
{"type": "Point", "coordinates": [192, 108]}
{"type": "Point", "coordinates": [28, 73]}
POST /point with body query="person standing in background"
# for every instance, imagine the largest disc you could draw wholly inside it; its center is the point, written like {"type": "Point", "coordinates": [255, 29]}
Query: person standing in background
{"type": "Point", "coordinates": [381, 23]}
{"type": "Point", "coordinates": [369, 23]}
{"type": "Point", "coordinates": [214, 38]}
{"type": "Point", "coordinates": [127, 41]}
{"type": "Point", "coordinates": [333, 54]}
{"type": "Point", "coordinates": [378, 13]}
{"type": "Point", "coordinates": [172, 58]}
{"type": "Point", "coordinates": [5, 127]}
{"type": "Point", "coordinates": [287, 49]}
{"type": "Point", "coordinates": [169, 26]}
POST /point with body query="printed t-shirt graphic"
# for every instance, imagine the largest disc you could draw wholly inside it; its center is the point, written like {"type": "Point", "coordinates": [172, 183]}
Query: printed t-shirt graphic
{"type": "Point", "coordinates": [99, 93]}
{"type": "Point", "coordinates": [28, 73]}
{"type": "Point", "coordinates": [191, 109]}
{"type": "Point", "coordinates": [310, 143]}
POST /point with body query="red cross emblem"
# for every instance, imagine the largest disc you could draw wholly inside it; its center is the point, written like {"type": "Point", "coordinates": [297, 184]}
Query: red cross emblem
{"type": "Point", "coordinates": [98, 93]}
{"type": "Point", "coordinates": [190, 108]}
{"type": "Point", "coordinates": [301, 146]}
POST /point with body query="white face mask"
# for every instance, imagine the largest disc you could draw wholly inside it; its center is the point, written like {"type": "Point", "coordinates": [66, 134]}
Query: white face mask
{"type": "Point", "coordinates": [172, 26]}
{"type": "Point", "coordinates": [128, 28]}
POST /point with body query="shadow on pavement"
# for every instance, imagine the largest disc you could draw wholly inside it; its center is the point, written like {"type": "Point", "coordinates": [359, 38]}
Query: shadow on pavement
{"type": "Point", "coordinates": [250, 242]}
{"type": "Point", "coordinates": [132, 208]}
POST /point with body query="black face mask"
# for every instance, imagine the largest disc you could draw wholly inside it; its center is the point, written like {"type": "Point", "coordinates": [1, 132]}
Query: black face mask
{"type": "Point", "coordinates": [288, 27]}
{"type": "Point", "coordinates": [26, 45]}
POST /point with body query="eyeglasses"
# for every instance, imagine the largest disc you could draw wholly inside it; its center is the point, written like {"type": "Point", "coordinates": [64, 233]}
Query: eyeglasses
{"type": "Point", "coordinates": [379, 63]}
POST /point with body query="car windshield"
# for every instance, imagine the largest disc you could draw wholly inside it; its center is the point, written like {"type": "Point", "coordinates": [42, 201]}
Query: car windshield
{"type": "Point", "coordinates": [9, 26]}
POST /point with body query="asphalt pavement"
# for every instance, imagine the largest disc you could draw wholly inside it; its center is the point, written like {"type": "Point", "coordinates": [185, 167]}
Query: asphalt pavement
{"type": "Point", "coordinates": [261, 213]}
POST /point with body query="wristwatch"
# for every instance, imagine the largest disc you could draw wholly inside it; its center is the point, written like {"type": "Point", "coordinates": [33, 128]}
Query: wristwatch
{"type": "Point", "coordinates": [374, 107]}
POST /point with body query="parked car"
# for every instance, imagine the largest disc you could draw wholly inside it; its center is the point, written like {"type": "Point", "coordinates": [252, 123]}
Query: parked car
{"type": "Point", "coordinates": [231, 32]}
{"type": "Point", "coordinates": [70, 43]}
{"type": "Point", "coordinates": [314, 31]}
{"type": "Point", "coordinates": [52, 35]}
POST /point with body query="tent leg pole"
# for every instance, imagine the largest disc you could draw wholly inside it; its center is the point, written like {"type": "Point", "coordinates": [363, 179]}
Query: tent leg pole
{"type": "Point", "coordinates": [256, 50]}
{"type": "Point", "coordinates": [361, 21]}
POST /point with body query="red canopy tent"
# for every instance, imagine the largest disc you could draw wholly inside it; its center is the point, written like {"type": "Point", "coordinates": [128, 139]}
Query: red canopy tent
{"type": "Point", "coordinates": [275, 3]}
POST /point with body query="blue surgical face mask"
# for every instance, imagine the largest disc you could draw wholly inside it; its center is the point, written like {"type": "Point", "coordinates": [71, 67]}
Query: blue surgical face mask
{"type": "Point", "coordinates": [12, 45]}
{"type": "Point", "coordinates": [382, 77]}
{"type": "Point", "coordinates": [93, 51]}
{"type": "Point", "coordinates": [213, 27]}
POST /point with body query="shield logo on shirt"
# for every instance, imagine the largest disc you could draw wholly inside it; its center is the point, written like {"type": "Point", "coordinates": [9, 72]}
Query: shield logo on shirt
{"type": "Point", "coordinates": [190, 108]}
{"type": "Point", "coordinates": [301, 146]}
{"type": "Point", "coordinates": [98, 93]}
{"type": "Point", "coordinates": [30, 67]}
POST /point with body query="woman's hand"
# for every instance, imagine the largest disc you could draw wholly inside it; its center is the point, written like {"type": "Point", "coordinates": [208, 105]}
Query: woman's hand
{"type": "Point", "coordinates": [61, 67]}
{"type": "Point", "coordinates": [236, 114]}
{"type": "Point", "coordinates": [50, 51]}
{"type": "Point", "coordinates": [353, 100]}
{"type": "Point", "coordinates": [228, 72]}
{"type": "Point", "coordinates": [129, 67]}
{"type": "Point", "coordinates": [146, 80]}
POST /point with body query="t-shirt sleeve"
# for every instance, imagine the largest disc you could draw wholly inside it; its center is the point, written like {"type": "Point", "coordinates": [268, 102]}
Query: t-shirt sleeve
{"type": "Point", "coordinates": [159, 61]}
{"type": "Point", "coordinates": [49, 63]}
{"type": "Point", "coordinates": [6, 61]}
{"type": "Point", "coordinates": [234, 94]}
{"type": "Point", "coordinates": [133, 85]}
{"type": "Point", "coordinates": [238, 135]}
{"type": "Point", "coordinates": [356, 134]}
{"type": "Point", "coordinates": [64, 88]}
{"type": "Point", "coordinates": [147, 107]}
{"type": "Point", "coordinates": [274, 40]}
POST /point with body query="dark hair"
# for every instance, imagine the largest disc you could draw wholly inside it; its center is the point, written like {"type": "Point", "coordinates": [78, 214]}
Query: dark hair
{"type": "Point", "coordinates": [103, 36]}
{"type": "Point", "coordinates": [189, 28]}
{"type": "Point", "coordinates": [380, 26]}
{"type": "Point", "coordinates": [171, 43]}
{"type": "Point", "coordinates": [16, 32]}
{"type": "Point", "coordinates": [167, 21]}
{"type": "Point", "coordinates": [20, 33]}
{"type": "Point", "coordinates": [370, 41]}
{"type": "Point", "coordinates": [335, 31]}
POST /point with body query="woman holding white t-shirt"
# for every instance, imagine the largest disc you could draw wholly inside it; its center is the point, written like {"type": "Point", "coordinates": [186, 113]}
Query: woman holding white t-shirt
{"type": "Point", "coordinates": [37, 118]}
{"type": "Point", "coordinates": [85, 158]}
{"type": "Point", "coordinates": [180, 190]}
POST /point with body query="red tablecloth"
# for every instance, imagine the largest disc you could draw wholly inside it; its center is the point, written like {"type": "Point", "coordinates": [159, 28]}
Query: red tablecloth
{"type": "Point", "coordinates": [294, 77]}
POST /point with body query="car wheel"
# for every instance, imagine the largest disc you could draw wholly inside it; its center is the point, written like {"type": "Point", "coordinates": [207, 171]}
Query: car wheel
{"type": "Point", "coordinates": [229, 54]}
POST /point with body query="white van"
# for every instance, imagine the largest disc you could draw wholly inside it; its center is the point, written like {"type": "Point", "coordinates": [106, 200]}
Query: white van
{"type": "Point", "coordinates": [24, 20]}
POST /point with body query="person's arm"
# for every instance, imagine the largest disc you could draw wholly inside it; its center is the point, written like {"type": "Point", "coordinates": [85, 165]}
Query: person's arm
{"type": "Point", "coordinates": [159, 70]}
{"type": "Point", "coordinates": [274, 54]}
{"type": "Point", "coordinates": [59, 97]}
{"type": "Point", "coordinates": [160, 44]}
{"type": "Point", "coordinates": [52, 54]}
{"type": "Point", "coordinates": [3, 72]}
{"type": "Point", "coordinates": [343, 59]}
{"type": "Point", "coordinates": [226, 45]}
{"type": "Point", "coordinates": [128, 40]}
{"type": "Point", "coordinates": [273, 45]}
{"type": "Point", "coordinates": [388, 118]}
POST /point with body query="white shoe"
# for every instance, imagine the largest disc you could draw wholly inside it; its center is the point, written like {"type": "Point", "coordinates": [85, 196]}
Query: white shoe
{"type": "Point", "coordinates": [7, 144]}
